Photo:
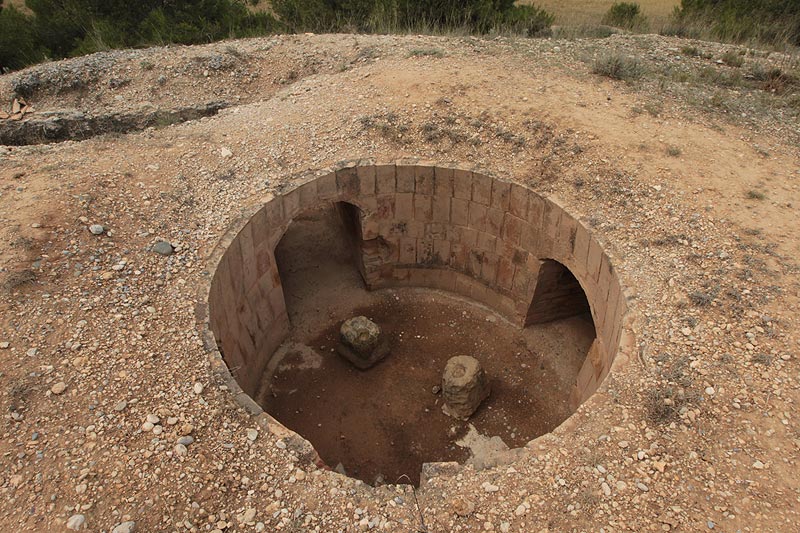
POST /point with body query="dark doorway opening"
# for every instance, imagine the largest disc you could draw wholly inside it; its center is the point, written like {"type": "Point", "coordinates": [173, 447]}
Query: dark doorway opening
{"type": "Point", "coordinates": [558, 295]}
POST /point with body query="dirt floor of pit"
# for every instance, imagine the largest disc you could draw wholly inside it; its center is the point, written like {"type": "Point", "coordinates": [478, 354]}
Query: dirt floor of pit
{"type": "Point", "coordinates": [386, 421]}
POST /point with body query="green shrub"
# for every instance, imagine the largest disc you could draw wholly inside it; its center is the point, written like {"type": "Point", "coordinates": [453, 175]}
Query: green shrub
{"type": "Point", "coordinates": [626, 15]}
{"type": "Point", "coordinates": [386, 16]}
{"type": "Point", "coordinates": [64, 28]}
{"type": "Point", "coordinates": [19, 45]}
{"type": "Point", "coordinates": [766, 21]}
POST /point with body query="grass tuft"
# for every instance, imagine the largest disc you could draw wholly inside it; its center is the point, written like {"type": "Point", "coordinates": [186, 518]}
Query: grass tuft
{"type": "Point", "coordinates": [618, 67]}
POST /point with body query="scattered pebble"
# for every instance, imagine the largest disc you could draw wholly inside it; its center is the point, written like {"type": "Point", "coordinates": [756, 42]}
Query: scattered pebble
{"type": "Point", "coordinates": [125, 527]}
{"type": "Point", "coordinates": [76, 522]}
{"type": "Point", "coordinates": [163, 248]}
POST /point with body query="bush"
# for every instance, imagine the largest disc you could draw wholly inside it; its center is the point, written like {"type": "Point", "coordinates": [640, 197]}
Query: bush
{"type": "Point", "coordinates": [68, 28]}
{"type": "Point", "coordinates": [626, 15]}
{"type": "Point", "coordinates": [387, 16]}
{"type": "Point", "coordinates": [618, 67]}
{"type": "Point", "coordinates": [19, 45]}
{"type": "Point", "coordinates": [767, 21]}
{"type": "Point", "coordinates": [64, 28]}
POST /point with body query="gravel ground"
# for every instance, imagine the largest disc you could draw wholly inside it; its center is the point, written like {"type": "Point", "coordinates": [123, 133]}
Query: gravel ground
{"type": "Point", "coordinates": [111, 413]}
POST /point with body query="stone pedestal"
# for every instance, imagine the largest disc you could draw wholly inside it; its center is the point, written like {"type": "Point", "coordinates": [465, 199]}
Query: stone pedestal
{"type": "Point", "coordinates": [464, 386]}
{"type": "Point", "coordinates": [361, 343]}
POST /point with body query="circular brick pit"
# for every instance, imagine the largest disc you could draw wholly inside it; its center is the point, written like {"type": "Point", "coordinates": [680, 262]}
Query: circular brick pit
{"type": "Point", "coordinates": [448, 261]}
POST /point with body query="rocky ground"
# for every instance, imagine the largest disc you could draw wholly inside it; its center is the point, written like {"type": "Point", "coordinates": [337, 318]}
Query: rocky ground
{"type": "Point", "coordinates": [689, 175]}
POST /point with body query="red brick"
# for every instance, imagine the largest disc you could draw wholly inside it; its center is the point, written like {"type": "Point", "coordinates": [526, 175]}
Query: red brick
{"type": "Point", "coordinates": [494, 221]}
{"type": "Point", "coordinates": [425, 251]}
{"type": "Point", "coordinates": [580, 251]}
{"type": "Point", "coordinates": [435, 230]}
{"type": "Point", "coordinates": [459, 211]}
{"type": "Point", "coordinates": [423, 207]}
{"type": "Point", "coordinates": [347, 181]}
{"type": "Point", "coordinates": [385, 179]}
{"type": "Point", "coordinates": [474, 263]}
{"type": "Point", "coordinates": [477, 216]}
{"type": "Point", "coordinates": [366, 179]}
{"type": "Point", "coordinates": [263, 254]}
{"type": "Point", "coordinates": [415, 228]}
{"type": "Point", "coordinates": [441, 208]}
{"type": "Point", "coordinates": [291, 204]}
{"type": "Point", "coordinates": [245, 242]}
{"type": "Point", "coordinates": [405, 178]}
{"type": "Point", "coordinates": [535, 210]}
{"type": "Point", "coordinates": [462, 180]}
{"type": "Point", "coordinates": [277, 301]}
{"type": "Point", "coordinates": [370, 228]}
{"type": "Point", "coordinates": [423, 179]}
{"type": "Point", "coordinates": [447, 280]}
{"type": "Point", "coordinates": [565, 239]}
{"type": "Point", "coordinates": [408, 250]}
{"type": "Point", "coordinates": [385, 209]}
{"type": "Point", "coordinates": [260, 227]}
{"type": "Point", "coordinates": [512, 229]}
{"type": "Point", "coordinates": [441, 251]}
{"type": "Point", "coordinates": [501, 194]}
{"type": "Point", "coordinates": [444, 183]}
{"type": "Point", "coordinates": [458, 256]}
{"type": "Point", "coordinates": [594, 259]}
{"type": "Point", "coordinates": [489, 268]}
{"type": "Point", "coordinates": [522, 281]}
{"type": "Point", "coordinates": [468, 236]}
{"type": "Point", "coordinates": [274, 214]}
{"type": "Point", "coordinates": [308, 195]}
{"type": "Point", "coordinates": [462, 285]}
{"type": "Point", "coordinates": [481, 189]}
{"type": "Point", "coordinates": [505, 274]}
{"type": "Point", "coordinates": [529, 238]}
{"type": "Point", "coordinates": [486, 242]}
{"type": "Point", "coordinates": [326, 187]}
{"type": "Point", "coordinates": [404, 207]}
{"type": "Point", "coordinates": [518, 201]}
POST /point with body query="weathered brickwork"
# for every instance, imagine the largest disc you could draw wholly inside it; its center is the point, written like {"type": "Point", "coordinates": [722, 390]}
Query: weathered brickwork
{"type": "Point", "coordinates": [424, 225]}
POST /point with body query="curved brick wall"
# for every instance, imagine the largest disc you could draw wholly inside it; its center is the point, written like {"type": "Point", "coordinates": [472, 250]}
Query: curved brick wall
{"type": "Point", "coordinates": [423, 225]}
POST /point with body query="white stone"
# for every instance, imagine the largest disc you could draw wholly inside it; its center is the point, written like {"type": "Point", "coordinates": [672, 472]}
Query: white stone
{"type": "Point", "coordinates": [76, 522]}
{"type": "Point", "coordinates": [198, 388]}
{"type": "Point", "coordinates": [488, 487]}
{"type": "Point", "coordinates": [125, 527]}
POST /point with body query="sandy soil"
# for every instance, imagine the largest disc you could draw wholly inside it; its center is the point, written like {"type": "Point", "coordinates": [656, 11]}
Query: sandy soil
{"type": "Point", "coordinates": [699, 432]}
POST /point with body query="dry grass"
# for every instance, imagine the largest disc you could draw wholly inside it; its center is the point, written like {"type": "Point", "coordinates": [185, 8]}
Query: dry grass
{"type": "Point", "coordinates": [590, 12]}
